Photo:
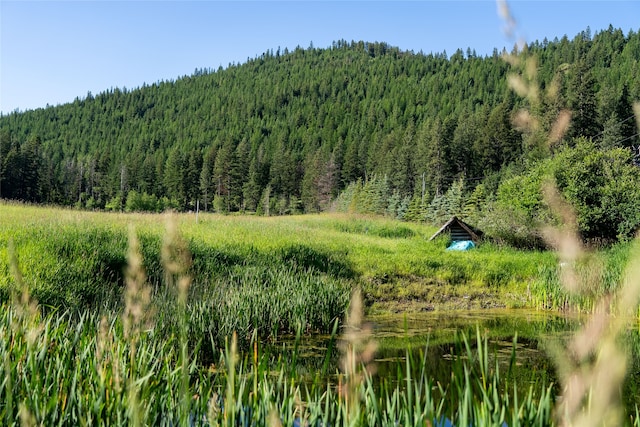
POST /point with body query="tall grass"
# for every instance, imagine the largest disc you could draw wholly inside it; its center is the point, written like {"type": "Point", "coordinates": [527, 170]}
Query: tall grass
{"type": "Point", "coordinates": [141, 365]}
{"type": "Point", "coordinates": [76, 260]}
{"type": "Point", "coordinates": [600, 273]}
{"type": "Point", "coordinates": [167, 358]}
{"type": "Point", "coordinates": [81, 372]}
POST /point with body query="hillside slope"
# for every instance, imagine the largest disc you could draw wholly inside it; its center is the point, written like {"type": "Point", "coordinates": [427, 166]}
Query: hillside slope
{"type": "Point", "coordinates": [287, 131]}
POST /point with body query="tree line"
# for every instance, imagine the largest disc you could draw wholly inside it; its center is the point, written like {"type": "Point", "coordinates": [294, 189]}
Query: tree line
{"type": "Point", "coordinates": [288, 131]}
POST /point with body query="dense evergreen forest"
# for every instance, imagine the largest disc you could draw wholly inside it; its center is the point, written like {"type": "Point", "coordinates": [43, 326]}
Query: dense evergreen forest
{"type": "Point", "coordinates": [290, 131]}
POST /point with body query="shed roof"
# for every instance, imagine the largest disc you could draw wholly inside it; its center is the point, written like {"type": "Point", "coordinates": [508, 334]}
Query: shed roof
{"type": "Point", "coordinates": [459, 231]}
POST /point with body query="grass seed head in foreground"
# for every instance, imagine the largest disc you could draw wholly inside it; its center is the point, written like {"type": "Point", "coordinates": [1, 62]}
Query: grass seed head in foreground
{"type": "Point", "coordinates": [594, 365]}
{"type": "Point", "coordinates": [91, 366]}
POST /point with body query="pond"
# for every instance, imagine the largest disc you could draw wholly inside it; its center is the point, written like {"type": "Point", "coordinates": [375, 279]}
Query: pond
{"type": "Point", "coordinates": [434, 337]}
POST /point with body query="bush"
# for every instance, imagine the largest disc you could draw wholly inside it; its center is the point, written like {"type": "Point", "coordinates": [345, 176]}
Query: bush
{"type": "Point", "coordinates": [602, 186]}
{"type": "Point", "coordinates": [507, 225]}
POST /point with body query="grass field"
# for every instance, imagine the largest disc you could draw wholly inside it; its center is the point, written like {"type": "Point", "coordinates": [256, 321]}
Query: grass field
{"type": "Point", "coordinates": [76, 259]}
{"type": "Point", "coordinates": [299, 270]}
{"type": "Point", "coordinates": [111, 319]}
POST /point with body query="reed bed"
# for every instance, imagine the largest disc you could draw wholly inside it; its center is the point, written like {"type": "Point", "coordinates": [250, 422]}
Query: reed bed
{"type": "Point", "coordinates": [158, 359]}
{"type": "Point", "coordinates": [62, 370]}
{"type": "Point", "coordinates": [171, 329]}
{"type": "Point", "coordinates": [600, 273]}
{"type": "Point", "coordinates": [75, 260]}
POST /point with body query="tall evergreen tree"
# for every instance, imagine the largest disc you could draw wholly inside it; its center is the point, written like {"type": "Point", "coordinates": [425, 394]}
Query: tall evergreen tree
{"type": "Point", "coordinates": [402, 175]}
{"type": "Point", "coordinates": [174, 179]}
{"type": "Point", "coordinates": [5, 146]}
{"type": "Point", "coordinates": [12, 173]}
{"type": "Point", "coordinates": [251, 189]}
{"type": "Point", "coordinates": [192, 178]}
{"type": "Point", "coordinates": [502, 144]}
{"type": "Point", "coordinates": [582, 101]}
{"type": "Point", "coordinates": [207, 184]}
{"type": "Point", "coordinates": [224, 177]}
{"type": "Point", "coordinates": [351, 168]}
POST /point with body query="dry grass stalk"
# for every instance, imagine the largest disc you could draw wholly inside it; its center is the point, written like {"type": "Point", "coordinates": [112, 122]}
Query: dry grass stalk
{"type": "Point", "coordinates": [526, 85]}
{"type": "Point", "coordinates": [565, 240]}
{"type": "Point", "coordinates": [274, 419]}
{"type": "Point", "coordinates": [358, 350]}
{"type": "Point", "coordinates": [511, 25]}
{"type": "Point", "coordinates": [230, 365]}
{"type": "Point", "coordinates": [559, 127]}
{"type": "Point", "coordinates": [176, 259]}
{"type": "Point", "coordinates": [107, 356]}
{"type": "Point", "coordinates": [26, 417]}
{"type": "Point", "coordinates": [213, 409]}
{"type": "Point", "coordinates": [594, 365]}
{"type": "Point", "coordinates": [137, 313]}
{"type": "Point", "coordinates": [26, 307]}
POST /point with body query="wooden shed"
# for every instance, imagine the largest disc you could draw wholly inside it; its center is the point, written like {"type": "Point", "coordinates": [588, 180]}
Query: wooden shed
{"type": "Point", "coordinates": [459, 230]}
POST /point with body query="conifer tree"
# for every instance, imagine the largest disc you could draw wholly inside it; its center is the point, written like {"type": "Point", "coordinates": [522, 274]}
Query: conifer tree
{"type": "Point", "coordinates": [207, 184]}
{"type": "Point", "coordinates": [192, 178]}
{"type": "Point", "coordinates": [251, 189]}
{"type": "Point", "coordinates": [174, 180]}
{"type": "Point", "coordinates": [582, 101]}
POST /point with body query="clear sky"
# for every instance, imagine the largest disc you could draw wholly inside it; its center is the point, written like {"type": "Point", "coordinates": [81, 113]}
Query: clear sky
{"type": "Point", "coordinates": [54, 51]}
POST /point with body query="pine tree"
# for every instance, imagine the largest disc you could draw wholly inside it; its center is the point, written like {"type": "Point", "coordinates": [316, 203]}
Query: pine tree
{"type": "Point", "coordinates": [624, 111]}
{"type": "Point", "coordinates": [207, 184]}
{"type": "Point", "coordinates": [502, 144]}
{"type": "Point", "coordinates": [192, 178]}
{"type": "Point", "coordinates": [32, 168]}
{"type": "Point", "coordinates": [5, 146]}
{"type": "Point", "coordinates": [327, 182]}
{"type": "Point", "coordinates": [251, 189]}
{"type": "Point", "coordinates": [453, 202]}
{"type": "Point", "coordinates": [309, 189]}
{"type": "Point", "coordinates": [402, 174]}
{"type": "Point", "coordinates": [436, 166]}
{"type": "Point", "coordinates": [582, 101]}
{"type": "Point", "coordinates": [351, 169]}
{"type": "Point", "coordinates": [12, 173]}
{"type": "Point", "coordinates": [223, 177]}
{"type": "Point", "coordinates": [612, 133]}
{"type": "Point", "coordinates": [240, 172]}
{"type": "Point", "coordinates": [475, 203]}
{"type": "Point", "coordinates": [174, 180]}
{"type": "Point", "coordinates": [415, 210]}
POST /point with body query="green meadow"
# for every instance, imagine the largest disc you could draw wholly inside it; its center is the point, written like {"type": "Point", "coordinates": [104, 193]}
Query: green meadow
{"type": "Point", "coordinates": [149, 319]}
{"type": "Point", "coordinates": [76, 259]}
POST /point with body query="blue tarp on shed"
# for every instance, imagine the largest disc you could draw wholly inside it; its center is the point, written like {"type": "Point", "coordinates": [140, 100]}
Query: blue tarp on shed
{"type": "Point", "coordinates": [461, 245]}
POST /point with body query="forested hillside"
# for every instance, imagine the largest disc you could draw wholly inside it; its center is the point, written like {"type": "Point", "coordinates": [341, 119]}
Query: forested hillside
{"type": "Point", "coordinates": [289, 131]}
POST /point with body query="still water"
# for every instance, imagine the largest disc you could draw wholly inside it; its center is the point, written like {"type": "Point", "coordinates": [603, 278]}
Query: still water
{"type": "Point", "coordinates": [434, 337]}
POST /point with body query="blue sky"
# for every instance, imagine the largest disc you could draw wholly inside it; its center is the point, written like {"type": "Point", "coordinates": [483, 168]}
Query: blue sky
{"type": "Point", "coordinates": [54, 51]}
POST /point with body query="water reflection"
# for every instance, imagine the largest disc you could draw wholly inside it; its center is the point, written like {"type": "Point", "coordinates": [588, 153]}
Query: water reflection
{"type": "Point", "coordinates": [431, 337]}
{"type": "Point", "coordinates": [516, 343]}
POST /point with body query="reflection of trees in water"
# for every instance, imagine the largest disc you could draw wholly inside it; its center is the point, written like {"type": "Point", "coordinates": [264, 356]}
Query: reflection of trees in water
{"type": "Point", "coordinates": [531, 366]}
{"type": "Point", "coordinates": [433, 343]}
